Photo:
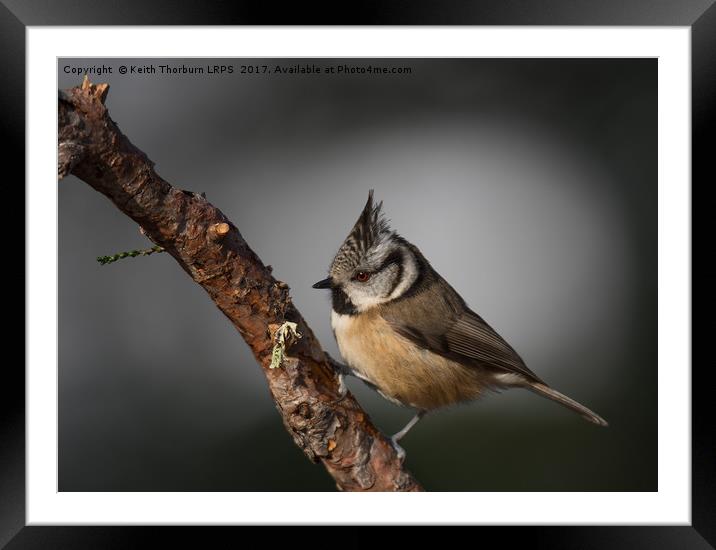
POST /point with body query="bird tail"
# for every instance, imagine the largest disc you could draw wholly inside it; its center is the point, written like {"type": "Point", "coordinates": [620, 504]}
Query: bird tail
{"type": "Point", "coordinates": [554, 395]}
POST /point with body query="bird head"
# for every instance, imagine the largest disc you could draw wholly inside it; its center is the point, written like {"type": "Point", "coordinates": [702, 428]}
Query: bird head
{"type": "Point", "coordinates": [374, 265]}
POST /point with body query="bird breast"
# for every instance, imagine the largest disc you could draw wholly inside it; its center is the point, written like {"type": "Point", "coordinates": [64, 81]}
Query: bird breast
{"type": "Point", "coordinates": [401, 371]}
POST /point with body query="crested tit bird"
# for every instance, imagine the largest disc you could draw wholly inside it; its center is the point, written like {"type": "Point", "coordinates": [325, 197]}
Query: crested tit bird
{"type": "Point", "coordinates": [403, 330]}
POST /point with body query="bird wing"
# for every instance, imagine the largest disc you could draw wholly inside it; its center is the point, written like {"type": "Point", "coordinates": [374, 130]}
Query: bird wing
{"type": "Point", "coordinates": [457, 333]}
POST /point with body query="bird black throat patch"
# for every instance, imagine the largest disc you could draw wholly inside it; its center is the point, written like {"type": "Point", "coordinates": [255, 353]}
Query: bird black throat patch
{"type": "Point", "coordinates": [342, 303]}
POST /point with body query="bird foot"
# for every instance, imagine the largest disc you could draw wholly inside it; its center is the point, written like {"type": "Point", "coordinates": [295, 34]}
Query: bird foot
{"type": "Point", "coordinates": [341, 370]}
{"type": "Point", "coordinates": [342, 388]}
{"type": "Point", "coordinates": [398, 449]}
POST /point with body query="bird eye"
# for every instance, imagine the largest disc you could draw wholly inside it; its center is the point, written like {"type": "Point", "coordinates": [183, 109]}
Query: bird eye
{"type": "Point", "coordinates": [362, 276]}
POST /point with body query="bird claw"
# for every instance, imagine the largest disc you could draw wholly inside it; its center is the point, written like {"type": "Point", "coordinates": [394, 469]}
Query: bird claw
{"type": "Point", "coordinates": [342, 388]}
{"type": "Point", "coordinates": [341, 370]}
{"type": "Point", "coordinates": [398, 449]}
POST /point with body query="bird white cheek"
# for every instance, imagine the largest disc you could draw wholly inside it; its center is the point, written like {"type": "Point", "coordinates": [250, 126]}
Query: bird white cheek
{"type": "Point", "coordinates": [363, 303]}
{"type": "Point", "coordinates": [410, 273]}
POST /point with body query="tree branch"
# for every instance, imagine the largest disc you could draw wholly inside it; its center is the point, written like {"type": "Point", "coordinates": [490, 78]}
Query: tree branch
{"type": "Point", "coordinates": [329, 429]}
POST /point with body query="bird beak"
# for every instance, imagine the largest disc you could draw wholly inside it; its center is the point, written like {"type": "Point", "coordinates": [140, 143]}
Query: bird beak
{"type": "Point", "coordinates": [325, 283]}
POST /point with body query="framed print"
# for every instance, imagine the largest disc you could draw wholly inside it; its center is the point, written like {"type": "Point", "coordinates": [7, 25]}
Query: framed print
{"type": "Point", "coordinates": [542, 167]}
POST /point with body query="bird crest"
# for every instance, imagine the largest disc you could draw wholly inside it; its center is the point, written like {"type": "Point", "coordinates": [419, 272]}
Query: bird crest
{"type": "Point", "coordinates": [369, 232]}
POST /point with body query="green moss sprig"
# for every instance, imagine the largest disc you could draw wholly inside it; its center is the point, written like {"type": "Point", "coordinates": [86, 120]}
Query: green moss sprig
{"type": "Point", "coordinates": [104, 260]}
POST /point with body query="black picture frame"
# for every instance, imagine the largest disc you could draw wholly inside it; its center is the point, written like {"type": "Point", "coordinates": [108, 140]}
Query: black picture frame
{"type": "Point", "coordinates": [16, 15]}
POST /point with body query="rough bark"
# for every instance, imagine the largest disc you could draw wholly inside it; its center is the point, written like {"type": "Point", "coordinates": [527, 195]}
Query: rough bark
{"type": "Point", "coordinates": [329, 429]}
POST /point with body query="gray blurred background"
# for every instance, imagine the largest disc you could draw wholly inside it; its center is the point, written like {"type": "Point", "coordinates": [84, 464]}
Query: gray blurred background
{"type": "Point", "coordinates": [530, 185]}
